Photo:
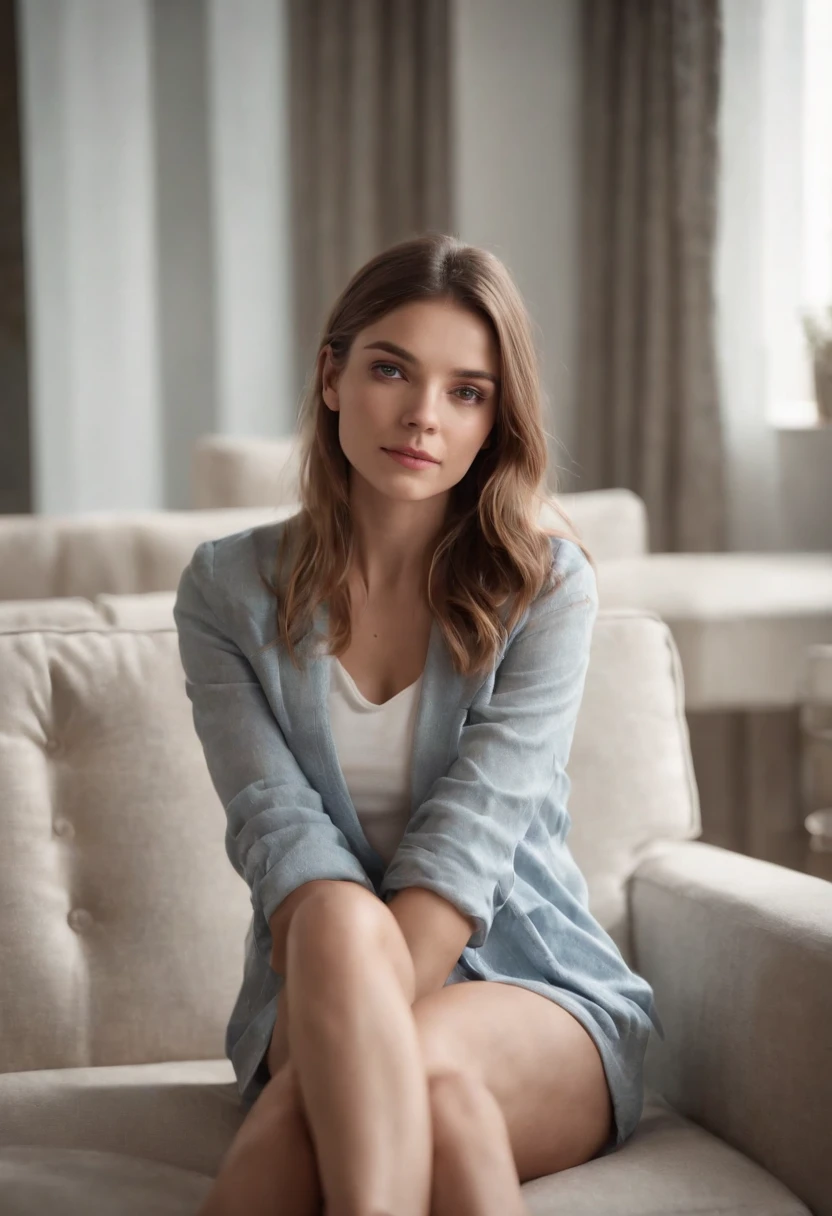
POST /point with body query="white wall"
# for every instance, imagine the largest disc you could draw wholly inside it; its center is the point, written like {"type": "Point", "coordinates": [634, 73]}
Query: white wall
{"type": "Point", "coordinates": [515, 76]}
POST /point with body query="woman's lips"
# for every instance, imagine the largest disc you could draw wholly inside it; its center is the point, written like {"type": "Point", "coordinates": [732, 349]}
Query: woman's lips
{"type": "Point", "coordinates": [410, 462]}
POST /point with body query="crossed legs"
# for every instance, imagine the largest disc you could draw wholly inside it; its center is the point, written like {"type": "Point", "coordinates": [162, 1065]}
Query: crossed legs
{"type": "Point", "coordinates": [377, 1107]}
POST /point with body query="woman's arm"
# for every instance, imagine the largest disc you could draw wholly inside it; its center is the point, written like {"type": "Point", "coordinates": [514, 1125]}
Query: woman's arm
{"type": "Point", "coordinates": [460, 843]}
{"type": "Point", "coordinates": [436, 933]}
{"type": "Point", "coordinates": [279, 835]}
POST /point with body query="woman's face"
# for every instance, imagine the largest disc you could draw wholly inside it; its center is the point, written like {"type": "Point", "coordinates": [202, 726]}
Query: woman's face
{"type": "Point", "coordinates": [425, 376]}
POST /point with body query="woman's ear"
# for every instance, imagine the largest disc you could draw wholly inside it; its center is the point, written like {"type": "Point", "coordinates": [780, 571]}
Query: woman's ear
{"type": "Point", "coordinates": [329, 379]}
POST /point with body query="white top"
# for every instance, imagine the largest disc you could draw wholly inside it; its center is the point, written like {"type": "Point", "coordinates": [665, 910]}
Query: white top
{"type": "Point", "coordinates": [374, 745]}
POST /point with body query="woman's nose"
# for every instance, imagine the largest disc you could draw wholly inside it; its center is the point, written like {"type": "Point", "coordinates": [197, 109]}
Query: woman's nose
{"type": "Point", "coordinates": [423, 406]}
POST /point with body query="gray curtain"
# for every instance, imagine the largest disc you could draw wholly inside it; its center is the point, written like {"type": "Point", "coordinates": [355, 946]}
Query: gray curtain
{"type": "Point", "coordinates": [370, 161]}
{"type": "Point", "coordinates": [648, 415]}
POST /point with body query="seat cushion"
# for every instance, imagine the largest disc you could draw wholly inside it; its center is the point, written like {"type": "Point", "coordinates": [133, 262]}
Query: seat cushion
{"type": "Point", "coordinates": [742, 621]}
{"type": "Point", "coordinates": [180, 1114]}
{"type": "Point", "coordinates": [148, 1138]}
{"type": "Point", "coordinates": [668, 1167]}
{"type": "Point", "coordinates": [81, 1182]}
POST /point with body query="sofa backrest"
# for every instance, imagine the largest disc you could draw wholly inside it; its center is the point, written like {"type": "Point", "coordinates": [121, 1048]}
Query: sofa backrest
{"type": "Point", "coordinates": [249, 471]}
{"type": "Point", "coordinates": [115, 553]}
{"type": "Point", "coordinates": [122, 922]}
{"type": "Point", "coordinates": [121, 553]}
{"type": "Point", "coordinates": [148, 610]}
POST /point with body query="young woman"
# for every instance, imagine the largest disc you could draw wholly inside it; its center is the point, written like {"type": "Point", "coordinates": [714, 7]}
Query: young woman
{"type": "Point", "coordinates": [386, 687]}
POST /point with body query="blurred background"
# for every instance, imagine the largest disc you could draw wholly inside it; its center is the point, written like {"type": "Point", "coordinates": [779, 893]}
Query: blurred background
{"type": "Point", "coordinates": [186, 185]}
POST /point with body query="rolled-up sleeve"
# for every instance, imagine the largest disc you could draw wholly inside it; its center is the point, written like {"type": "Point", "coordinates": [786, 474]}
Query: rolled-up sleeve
{"type": "Point", "coordinates": [461, 841]}
{"type": "Point", "coordinates": [278, 832]}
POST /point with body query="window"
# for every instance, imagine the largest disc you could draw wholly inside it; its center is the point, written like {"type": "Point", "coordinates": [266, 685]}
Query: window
{"type": "Point", "coordinates": [797, 202]}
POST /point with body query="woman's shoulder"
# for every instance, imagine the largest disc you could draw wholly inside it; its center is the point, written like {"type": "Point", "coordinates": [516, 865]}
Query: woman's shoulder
{"type": "Point", "coordinates": [236, 574]}
{"type": "Point", "coordinates": [248, 559]}
{"type": "Point", "coordinates": [572, 576]}
{"type": "Point", "coordinates": [570, 583]}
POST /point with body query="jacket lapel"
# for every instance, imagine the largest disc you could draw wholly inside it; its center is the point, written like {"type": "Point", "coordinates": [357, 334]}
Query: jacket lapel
{"type": "Point", "coordinates": [443, 704]}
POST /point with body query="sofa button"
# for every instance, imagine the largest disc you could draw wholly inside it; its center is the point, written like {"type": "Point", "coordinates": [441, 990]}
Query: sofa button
{"type": "Point", "coordinates": [51, 746]}
{"type": "Point", "coordinates": [62, 827]}
{"type": "Point", "coordinates": [79, 919]}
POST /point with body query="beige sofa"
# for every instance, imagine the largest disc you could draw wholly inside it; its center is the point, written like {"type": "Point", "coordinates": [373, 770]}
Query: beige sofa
{"type": "Point", "coordinates": [122, 930]}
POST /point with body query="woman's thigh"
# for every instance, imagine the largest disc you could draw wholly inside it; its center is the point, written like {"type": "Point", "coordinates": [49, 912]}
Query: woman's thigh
{"type": "Point", "coordinates": [537, 1060]}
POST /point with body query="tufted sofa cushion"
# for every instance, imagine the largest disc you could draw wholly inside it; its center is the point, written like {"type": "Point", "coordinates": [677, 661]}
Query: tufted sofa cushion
{"type": "Point", "coordinates": [632, 777]}
{"type": "Point", "coordinates": [122, 921]}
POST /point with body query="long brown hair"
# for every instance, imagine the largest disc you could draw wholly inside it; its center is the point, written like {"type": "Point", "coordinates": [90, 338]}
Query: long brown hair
{"type": "Point", "coordinates": [492, 545]}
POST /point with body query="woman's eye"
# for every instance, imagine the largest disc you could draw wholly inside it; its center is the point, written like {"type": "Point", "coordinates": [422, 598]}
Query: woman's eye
{"type": "Point", "coordinates": [389, 366]}
{"type": "Point", "coordinates": [467, 388]}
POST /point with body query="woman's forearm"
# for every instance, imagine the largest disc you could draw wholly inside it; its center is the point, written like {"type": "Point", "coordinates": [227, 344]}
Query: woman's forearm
{"type": "Point", "coordinates": [436, 934]}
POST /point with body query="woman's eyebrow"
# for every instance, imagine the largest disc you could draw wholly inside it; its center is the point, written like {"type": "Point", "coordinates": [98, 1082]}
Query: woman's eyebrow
{"type": "Point", "coordinates": [393, 349]}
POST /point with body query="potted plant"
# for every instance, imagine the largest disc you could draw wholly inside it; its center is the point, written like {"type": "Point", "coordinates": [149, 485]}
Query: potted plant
{"type": "Point", "coordinates": [818, 329]}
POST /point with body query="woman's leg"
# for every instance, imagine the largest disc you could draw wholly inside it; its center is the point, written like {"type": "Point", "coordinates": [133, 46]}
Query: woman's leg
{"type": "Point", "coordinates": [270, 1166]}
{"type": "Point", "coordinates": [273, 1160]}
{"type": "Point", "coordinates": [355, 1046]}
{"type": "Point", "coordinates": [474, 1172]}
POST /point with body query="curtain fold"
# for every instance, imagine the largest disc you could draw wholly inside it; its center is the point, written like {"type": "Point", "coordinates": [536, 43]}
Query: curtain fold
{"type": "Point", "coordinates": [370, 135]}
{"type": "Point", "coordinates": [648, 414]}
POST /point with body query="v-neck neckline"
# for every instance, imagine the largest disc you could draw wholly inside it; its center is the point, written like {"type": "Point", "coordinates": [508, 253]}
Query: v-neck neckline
{"type": "Point", "coordinates": [321, 666]}
{"type": "Point", "coordinates": [444, 696]}
{"type": "Point", "coordinates": [362, 699]}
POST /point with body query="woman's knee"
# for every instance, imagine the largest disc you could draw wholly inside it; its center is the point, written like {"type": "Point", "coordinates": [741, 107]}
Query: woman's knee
{"type": "Point", "coordinates": [337, 914]}
{"type": "Point", "coordinates": [461, 1105]}
{"type": "Point", "coordinates": [280, 1099]}
{"type": "Point", "coordinates": [344, 921]}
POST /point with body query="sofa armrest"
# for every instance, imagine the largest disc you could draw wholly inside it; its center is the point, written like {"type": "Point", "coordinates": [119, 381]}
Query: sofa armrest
{"type": "Point", "coordinates": [739, 954]}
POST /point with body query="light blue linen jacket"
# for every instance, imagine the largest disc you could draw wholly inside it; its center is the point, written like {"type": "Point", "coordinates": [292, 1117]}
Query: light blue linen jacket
{"type": "Point", "coordinates": [489, 796]}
